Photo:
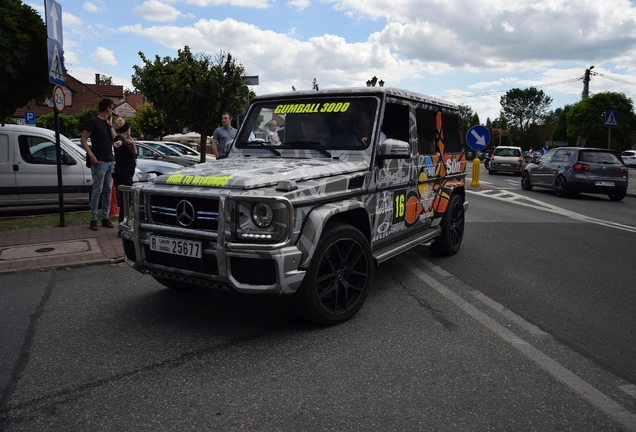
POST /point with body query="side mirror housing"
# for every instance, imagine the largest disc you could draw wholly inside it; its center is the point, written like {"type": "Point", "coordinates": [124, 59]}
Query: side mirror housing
{"type": "Point", "coordinates": [68, 160]}
{"type": "Point", "coordinates": [394, 149]}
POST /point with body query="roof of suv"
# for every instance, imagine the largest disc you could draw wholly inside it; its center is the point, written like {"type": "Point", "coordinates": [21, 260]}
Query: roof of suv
{"type": "Point", "coordinates": [407, 94]}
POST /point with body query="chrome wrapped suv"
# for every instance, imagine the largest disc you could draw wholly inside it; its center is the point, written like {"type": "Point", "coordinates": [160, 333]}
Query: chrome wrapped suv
{"type": "Point", "coordinates": [359, 176]}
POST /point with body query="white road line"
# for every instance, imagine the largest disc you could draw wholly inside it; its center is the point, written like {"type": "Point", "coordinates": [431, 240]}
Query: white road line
{"type": "Point", "coordinates": [523, 201]}
{"type": "Point", "coordinates": [578, 385]}
{"type": "Point", "coordinates": [630, 389]}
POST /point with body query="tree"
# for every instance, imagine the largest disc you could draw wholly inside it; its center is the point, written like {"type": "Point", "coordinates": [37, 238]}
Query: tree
{"type": "Point", "coordinates": [85, 116]}
{"type": "Point", "coordinates": [525, 109]}
{"type": "Point", "coordinates": [153, 122]}
{"type": "Point", "coordinates": [587, 119]}
{"type": "Point", "coordinates": [560, 131]}
{"type": "Point", "coordinates": [69, 126]}
{"type": "Point", "coordinates": [466, 114]}
{"type": "Point", "coordinates": [105, 80]}
{"type": "Point", "coordinates": [23, 57]}
{"type": "Point", "coordinates": [193, 90]}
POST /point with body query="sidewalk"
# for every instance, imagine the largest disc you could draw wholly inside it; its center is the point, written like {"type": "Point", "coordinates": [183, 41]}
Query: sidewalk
{"type": "Point", "coordinates": [58, 247]}
{"type": "Point", "coordinates": [79, 246]}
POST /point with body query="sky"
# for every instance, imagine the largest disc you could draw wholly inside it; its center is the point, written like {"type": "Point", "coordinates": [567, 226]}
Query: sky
{"type": "Point", "coordinates": [464, 51]}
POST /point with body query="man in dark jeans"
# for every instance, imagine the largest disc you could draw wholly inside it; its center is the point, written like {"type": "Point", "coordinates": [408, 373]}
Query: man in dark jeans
{"type": "Point", "coordinates": [100, 130]}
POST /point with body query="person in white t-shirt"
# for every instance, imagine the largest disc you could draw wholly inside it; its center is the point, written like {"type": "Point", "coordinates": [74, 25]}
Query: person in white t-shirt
{"type": "Point", "coordinates": [272, 133]}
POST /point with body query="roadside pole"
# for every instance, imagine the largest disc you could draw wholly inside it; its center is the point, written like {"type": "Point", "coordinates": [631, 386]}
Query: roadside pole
{"type": "Point", "coordinates": [55, 65]}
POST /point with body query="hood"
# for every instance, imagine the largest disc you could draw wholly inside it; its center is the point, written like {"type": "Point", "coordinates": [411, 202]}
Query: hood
{"type": "Point", "coordinates": [247, 173]}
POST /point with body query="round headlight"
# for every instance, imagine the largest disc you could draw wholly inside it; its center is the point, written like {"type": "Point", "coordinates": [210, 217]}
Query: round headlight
{"type": "Point", "coordinates": [262, 215]}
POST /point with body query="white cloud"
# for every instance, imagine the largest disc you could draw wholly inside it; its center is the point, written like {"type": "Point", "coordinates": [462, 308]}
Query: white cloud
{"type": "Point", "coordinates": [103, 56]}
{"type": "Point", "coordinates": [258, 4]}
{"type": "Point", "coordinates": [339, 63]}
{"type": "Point", "coordinates": [92, 7]}
{"type": "Point", "coordinates": [299, 4]}
{"type": "Point", "coordinates": [153, 10]}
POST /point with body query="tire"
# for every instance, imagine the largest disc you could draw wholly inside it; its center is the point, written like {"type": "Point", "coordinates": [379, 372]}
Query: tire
{"type": "Point", "coordinates": [561, 187]}
{"type": "Point", "coordinates": [486, 164]}
{"type": "Point", "coordinates": [525, 181]}
{"type": "Point", "coordinates": [618, 196]}
{"type": "Point", "coordinates": [180, 286]}
{"type": "Point", "coordinates": [339, 276]}
{"type": "Point", "coordinates": [450, 240]}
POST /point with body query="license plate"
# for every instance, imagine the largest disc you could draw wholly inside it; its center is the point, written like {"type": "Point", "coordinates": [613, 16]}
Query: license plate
{"type": "Point", "coordinates": [604, 183]}
{"type": "Point", "coordinates": [174, 246]}
{"type": "Point", "coordinates": [505, 164]}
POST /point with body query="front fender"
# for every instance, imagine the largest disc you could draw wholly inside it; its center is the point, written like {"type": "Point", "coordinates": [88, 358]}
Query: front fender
{"type": "Point", "coordinates": [315, 224]}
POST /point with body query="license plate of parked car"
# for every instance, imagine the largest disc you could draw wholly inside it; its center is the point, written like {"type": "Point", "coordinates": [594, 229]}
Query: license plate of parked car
{"type": "Point", "coordinates": [604, 183]}
{"type": "Point", "coordinates": [172, 246]}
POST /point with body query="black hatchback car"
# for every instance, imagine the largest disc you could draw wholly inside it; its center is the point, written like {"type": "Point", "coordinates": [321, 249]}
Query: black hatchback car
{"type": "Point", "coordinates": [570, 170]}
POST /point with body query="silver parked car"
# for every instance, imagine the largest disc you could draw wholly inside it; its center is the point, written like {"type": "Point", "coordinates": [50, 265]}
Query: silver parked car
{"type": "Point", "coordinates": [506, 158]}
{"type": "Point", "coordinates": [629, 158]}
{"type": "Point", "coordinates": [144, 151]}
{"type": "Point", "coordinates": [570, 170]}
{"type": "Point", "coordinates": [168, 150]}
{"type": "Point", "coordinates": [147, 165]}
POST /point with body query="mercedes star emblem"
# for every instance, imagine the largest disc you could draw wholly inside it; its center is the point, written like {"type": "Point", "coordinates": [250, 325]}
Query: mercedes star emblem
{"type": "Point", "coordinates": [185, 213]}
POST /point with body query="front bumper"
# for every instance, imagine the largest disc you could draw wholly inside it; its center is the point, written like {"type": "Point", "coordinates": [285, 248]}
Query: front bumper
{"type": "Point", "coordinates": [241, 267]}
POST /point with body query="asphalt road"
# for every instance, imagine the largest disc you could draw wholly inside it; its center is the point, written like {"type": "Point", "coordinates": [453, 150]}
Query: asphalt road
{"type": "Point", "coordinates": [530, 327]}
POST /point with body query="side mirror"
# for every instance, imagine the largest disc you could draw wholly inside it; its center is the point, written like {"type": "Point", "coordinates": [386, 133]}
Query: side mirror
{"type": "Point", "coordinates": [394, 149]}
{"type": "Point", "coordinates": [68, 160]}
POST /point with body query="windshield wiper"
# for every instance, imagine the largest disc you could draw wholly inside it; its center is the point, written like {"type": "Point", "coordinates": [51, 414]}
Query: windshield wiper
{"type": "Point", "coordinates": [262, 144]}
{"type": "Point", "coordinates": [314, 145]}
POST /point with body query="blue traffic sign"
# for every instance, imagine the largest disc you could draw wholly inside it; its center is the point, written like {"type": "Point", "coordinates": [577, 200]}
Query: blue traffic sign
{"type": "Point", "coordinates": [54, 21]}
{"type": "Point", "coordinates": [478, 137]}
{"type": "Point", "coordinates": [29, 118]}
{"type": "Point", "coordinates": [611, 118]}
{"type": "Point", "coordinates": [56, 63]}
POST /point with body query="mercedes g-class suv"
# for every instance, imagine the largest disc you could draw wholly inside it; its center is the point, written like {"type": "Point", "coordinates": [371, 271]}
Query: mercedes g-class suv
{"type": "Point", "coordinates": [356, 177]}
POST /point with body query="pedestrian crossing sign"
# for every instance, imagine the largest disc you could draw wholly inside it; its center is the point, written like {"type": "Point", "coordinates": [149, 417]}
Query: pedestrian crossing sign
{"type": "Point", "coordinates": [611, 118]}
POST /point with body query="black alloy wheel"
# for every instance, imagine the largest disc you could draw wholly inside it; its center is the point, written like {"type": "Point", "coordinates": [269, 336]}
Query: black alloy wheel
{"type": "Point", "coordinates": [450, 239]}
{"type": "Point", "coordinates": [525, 181]}
{"type": "Point", "coordinates": [561, 187]}
{"type": "Point", "coordinates": [339, 277]}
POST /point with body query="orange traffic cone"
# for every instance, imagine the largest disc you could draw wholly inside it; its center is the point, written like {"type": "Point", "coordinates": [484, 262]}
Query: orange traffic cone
{"type": "Point", "coordinates": [114, 208]}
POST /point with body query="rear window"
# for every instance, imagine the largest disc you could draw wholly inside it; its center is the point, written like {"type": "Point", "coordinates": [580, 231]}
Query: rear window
{"type": "Point", "coordinates": [507, 152]}
{"type": "Point", "coordinates": [598, 157]}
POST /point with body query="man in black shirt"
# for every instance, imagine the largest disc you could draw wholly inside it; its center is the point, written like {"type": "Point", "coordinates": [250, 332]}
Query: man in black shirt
{"type": "Point", "coordinates": [101, 133]}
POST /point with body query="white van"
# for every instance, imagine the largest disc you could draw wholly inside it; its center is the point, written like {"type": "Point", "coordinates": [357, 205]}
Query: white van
{"type": "Point", "coordinates": [28, 168]}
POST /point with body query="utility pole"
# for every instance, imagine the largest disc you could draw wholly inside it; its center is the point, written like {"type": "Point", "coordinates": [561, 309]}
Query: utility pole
{"type": "Point", "coordinates": [586, 82]}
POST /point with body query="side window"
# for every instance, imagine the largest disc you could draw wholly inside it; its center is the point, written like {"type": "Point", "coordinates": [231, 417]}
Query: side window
{"type": "Point", "coordinates": [452, 133]}
{"type": "Point", "coordinates": [561, 156]}
{"type": "Point", "coordinates": [396, 122]}
{"type": "Point", "coordinates": [4, 149]}
{"type": "Point", "coordinates": [425, 130]}
{"type": "Point", "coordinates": [37, 150]}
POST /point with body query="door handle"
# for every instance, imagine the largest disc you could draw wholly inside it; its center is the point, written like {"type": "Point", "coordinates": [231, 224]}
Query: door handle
{"type": "Point", "coordinates": [15, 168]}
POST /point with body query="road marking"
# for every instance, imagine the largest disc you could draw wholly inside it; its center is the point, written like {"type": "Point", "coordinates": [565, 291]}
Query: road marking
{"type": "Point", "coordinates": [524, 201]}
{"type": "Point", "coordinates": [578, 385]}
{"type": "Point", "coordinates": [630, 389]}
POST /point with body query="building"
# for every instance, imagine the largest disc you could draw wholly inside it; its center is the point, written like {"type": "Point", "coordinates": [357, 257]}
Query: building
{"type": "Point", "coordinates": [80, 96]}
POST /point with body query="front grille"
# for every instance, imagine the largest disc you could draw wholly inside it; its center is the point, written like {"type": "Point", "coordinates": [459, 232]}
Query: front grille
{"type": "Point", "coordinates": [163, 210]}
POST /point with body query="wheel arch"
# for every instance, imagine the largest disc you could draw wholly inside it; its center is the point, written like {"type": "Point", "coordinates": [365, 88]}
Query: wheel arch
{"type": "Point", "coordinates": [351, 212]}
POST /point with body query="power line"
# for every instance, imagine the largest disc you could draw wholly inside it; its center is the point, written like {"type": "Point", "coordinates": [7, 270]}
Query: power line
{"type": "Point", "coordinates": [613, 79]}
{"type": "Point", "coordinates": [495, 92]}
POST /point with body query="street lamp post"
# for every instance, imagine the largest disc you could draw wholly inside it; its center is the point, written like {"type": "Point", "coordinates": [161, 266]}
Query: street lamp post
{"type": "Point", "coordinates": [586, 82]}
{"type": "Point", "coordinates": [373, 81]}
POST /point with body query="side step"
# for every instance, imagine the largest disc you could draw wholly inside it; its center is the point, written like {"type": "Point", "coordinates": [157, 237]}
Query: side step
{"type": "Point", "coordinates": [395, 248]}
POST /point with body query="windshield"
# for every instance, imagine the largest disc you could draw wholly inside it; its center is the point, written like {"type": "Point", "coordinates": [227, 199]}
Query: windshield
{"type": "Point", "coordinates": [319, 124]}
